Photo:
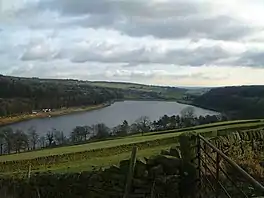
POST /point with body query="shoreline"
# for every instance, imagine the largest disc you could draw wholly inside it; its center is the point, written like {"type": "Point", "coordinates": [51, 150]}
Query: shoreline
{"type": "Point", "coordinates": [5, 121]}
{"type": "Point", "coordinates": [61, 112]}
{"type": "Point", "coordinates": [196, 105]}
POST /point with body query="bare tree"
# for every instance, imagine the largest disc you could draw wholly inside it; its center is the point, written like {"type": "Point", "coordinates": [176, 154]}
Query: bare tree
{"type": "Point", "coordinates": [59, 137]}
{"type": "Point", "coordinates": [87, 131]}
{"type": "Point", "coordinates": [77, 134]}
{"type": "Point", "coordinates": [142, 125]}
{"type": "Point", "coordinates": [42, 142]}
{"type": "Point", "coordinates": [33, 137]}
{"type": "Point", "coordinates": [122, 129]}
{"type": "Point", "coordinates": [188, 113]}
{"type": "Point", "coordinates": [8, 136]}
{"type": "Point", "coordinates": [2, 141]}
{"type": "Point", "coordinates": [20, 141]}
{"type": "Point", "coordinates": [101, 131]}
{"type": "Point", "coordinates": [50, 137]}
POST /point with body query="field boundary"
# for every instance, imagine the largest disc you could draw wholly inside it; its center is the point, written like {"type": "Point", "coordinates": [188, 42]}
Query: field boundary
{"type": "Point", "coordinates": [140, 140]}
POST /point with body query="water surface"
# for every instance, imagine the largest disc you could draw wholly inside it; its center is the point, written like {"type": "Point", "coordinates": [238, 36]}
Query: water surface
{"type": "Point", "coordinates": [111, 115]}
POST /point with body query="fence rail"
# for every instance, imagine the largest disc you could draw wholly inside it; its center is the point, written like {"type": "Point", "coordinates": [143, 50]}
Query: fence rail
{"type": "Point", "coordinates": [219, 176]}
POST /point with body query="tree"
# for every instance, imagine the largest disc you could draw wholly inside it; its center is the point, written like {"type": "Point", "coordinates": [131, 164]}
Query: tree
{"type": "Point", "coordinates": [142, 125]}
{"type": "Point", "coordinates": [2, 141]}
{"type": "Point", "coordinates": [77, 134]}
{"type": "Point", "coordinates": [33, 137]}
{"type": "Point", "coordinates": [101, 131]}
{"type": "Point", "coordinates": [188, 113]}
{"type": "Point", "coordinates": [87, 131]}
{"type": "Point", "coordinates": [20, 141]}
{"type": "Point", "coordinates": [8, 136]}
{"type": "Point", "coordinates": [122, 129]}
{"type": "Point", "coordinates": [59, 137]}
{"type": "Point", "coordinates": [163, 123]}
{"type": "Point", "coordinates": [22, 95]}
{"type": "Point", "coordinates": [174, 122]}
{"type": "Point", "coordinates": [42, 142]}
{"type": "Point", "coordinates": [50, 137]}
{"type": "Point", "coordinates": [187, 116]}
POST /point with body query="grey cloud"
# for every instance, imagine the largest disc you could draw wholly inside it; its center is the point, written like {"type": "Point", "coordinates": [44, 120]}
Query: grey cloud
{"type": "Point", "coordinates": [198, 56]}
{"type": "Point", "coordinates": [251, 58]}
{"type": "Point", "coordinates": [142, 55]}
{"type": "Point", "coordinates": [220, 28]}
{"type": "Point", "coordinates": [124, 7]}
{"type": "Point", "coordinates": [172, 19]}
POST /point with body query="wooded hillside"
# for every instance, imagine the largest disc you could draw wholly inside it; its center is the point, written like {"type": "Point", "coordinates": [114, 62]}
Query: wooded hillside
{"type": "Point", "coordinates": [237, 102]}
{"type": "Point", "coordinates": [22, 95]}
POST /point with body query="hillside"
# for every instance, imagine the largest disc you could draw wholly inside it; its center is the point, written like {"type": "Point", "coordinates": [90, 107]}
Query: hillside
{"type": "Point", "coordinates": [19, 96]}
{"type": "Point", "coordinates": [237, 102]}
{"type": "Point", "coordinates": [159, 92]}
{"type": "Point", "coordinates": [23, 95]}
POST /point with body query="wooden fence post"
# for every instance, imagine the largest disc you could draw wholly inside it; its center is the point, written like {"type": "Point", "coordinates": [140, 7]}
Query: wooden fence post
{"type": "Point", "coordinates": [131, 172]}
{"type": "Point", "coordinates": [29, 171]}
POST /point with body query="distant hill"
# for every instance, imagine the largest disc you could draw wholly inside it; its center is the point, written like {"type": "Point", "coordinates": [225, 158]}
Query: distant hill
{"type": "Point", "coordinates": [23, 95]}
{"type": "Point", "coordinates": [237, 102]}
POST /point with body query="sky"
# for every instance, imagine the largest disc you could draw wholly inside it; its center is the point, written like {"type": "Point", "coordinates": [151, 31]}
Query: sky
{"type": "Point", "coordinates": [161, 42]}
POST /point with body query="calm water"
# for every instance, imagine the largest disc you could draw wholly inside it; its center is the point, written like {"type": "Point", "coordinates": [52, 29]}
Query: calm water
{"type": "Point", "coordinates": [111, 115]}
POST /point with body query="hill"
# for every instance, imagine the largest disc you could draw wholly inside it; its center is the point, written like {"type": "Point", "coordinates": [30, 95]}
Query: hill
{"type": "Point", "coordinates": [237, 102]}
{"type": "Point", "coordinates": [20, 96]}
{"type": "Point", "coordinates": [158, 92]}
{"type": "Point", "coordinates": [23, 95]}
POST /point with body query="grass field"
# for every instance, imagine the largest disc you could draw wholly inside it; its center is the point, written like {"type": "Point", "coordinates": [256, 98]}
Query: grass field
{"type": "Point", "coordinates": [108, 159]}
{"type": "Point", "coordinates": [167, 95]}
{"type": "Point", "coordinates": [96, 162]}
{"type": "Point", "coordinates": [129, 140]}
{"type": "Point", "coordinates": [132, 86]}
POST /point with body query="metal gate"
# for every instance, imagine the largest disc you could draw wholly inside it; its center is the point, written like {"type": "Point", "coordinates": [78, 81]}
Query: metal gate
{"type": "Point", "coordinates": [219, 176]}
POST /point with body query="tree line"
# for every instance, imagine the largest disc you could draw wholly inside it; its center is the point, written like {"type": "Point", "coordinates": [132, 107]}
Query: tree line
{"type": "Point", "coordinates": [23, 95]}
{"type": "Point", "coordinates": [20, 141]}
{"type": "Point", "coordinates": [241, 102]}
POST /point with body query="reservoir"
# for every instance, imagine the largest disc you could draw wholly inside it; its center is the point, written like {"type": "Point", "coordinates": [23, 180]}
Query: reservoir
{"type": "Point", "coordinates": [110, 115]}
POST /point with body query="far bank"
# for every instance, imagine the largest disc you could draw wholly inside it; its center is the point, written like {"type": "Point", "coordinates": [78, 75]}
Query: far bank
{"type": "Point", "coordinates": [4, 121]}
{"type": "Point", "coordinates": [111, 115]}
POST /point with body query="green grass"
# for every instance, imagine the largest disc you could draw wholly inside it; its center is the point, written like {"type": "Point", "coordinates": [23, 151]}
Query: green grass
{"type": "Point", "coordinates": [96, 162]}
{"type": "Point", "coordinates": [85, 147]}
{"type": "Point", "coordinates": [123, 141]}
{"type": "Point", "coordinates": [131, 86]}
{"type": "Point", "coordinates": [103, 162]}
{"type": "Point", "coordinates": [164, 93]}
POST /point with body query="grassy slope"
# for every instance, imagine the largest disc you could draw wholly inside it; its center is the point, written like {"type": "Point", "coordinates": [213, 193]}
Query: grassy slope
{"type": "Point", "coordinates": [106, 161]}
{"type": "Point", "coordinates": [123, 141]}
{"type": "Point", "coordinates": [98, 162]}
{"type": "Point", "coordinates": [132, 86]}
{"type": "Point", "coordinates": [176, 94]}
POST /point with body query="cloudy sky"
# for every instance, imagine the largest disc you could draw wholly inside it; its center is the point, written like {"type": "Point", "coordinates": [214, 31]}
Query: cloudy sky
{"type": "Point", "coordinates": [166, 42]}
